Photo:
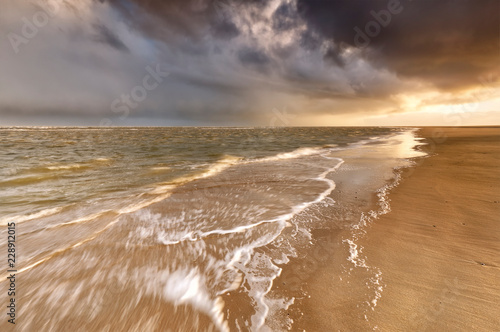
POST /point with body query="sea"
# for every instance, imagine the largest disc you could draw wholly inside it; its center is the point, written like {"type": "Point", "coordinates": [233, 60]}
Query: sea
{"type": "Point", "coordinates": [190, 228]}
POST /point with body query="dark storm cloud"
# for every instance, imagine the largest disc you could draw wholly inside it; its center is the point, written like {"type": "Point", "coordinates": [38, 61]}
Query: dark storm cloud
{"type": "Point", "coordinates": [241, 58]}
{"type": "Point", "coordinates": [448, 43]}
{"type": "Point", "coordinates": [249, 56]}
{"type": "Point", "coordinates": [333, 56]}
{"type": "Point", "coordinates": [310, 40]}
{"type": "Point", "coordinates": [167, 20]}
{"type": "Point", "coordinates": [285, 17]}
{"type": "Point", "coordinates": [164, 20]}
{"type": "Point", "coordinates": [225, 29]}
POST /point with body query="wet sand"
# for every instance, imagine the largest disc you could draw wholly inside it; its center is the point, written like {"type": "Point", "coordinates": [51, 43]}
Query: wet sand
{"type": "Point", "coordinates": [438, 250]}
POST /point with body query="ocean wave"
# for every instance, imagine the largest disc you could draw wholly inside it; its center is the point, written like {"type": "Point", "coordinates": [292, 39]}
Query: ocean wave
{"type": "Point", "coordinates": [244, 259]}
{"type": "Point", "coordinates": [300, 152]}
{"type": "Point", "coordinates": [27, 180]}
{"type": "Point", "coordinates": [161, 168]}
{"type": "Point", "coordinates": [66, 167]}
{"type": "Point", "coordinates": [213, 169]}
{"type": "Point", "coordinates": [196, 235]}
{"type": "Point", "coordinates": [27, 217]}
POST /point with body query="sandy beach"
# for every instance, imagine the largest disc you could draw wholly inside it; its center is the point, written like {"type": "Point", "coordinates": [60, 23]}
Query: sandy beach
{"type": "Point", "coordinates": [396, 232]}
{"type": "Point", "coordinates": [437, 250]}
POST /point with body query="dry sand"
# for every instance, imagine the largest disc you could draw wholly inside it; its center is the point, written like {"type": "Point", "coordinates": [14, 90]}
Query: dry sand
{"type": "Point", "coordinates": [438, 249]}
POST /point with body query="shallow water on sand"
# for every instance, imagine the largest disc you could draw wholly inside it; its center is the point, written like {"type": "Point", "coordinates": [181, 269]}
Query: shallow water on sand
{"type": "Point", "coordinates": [182, 228]}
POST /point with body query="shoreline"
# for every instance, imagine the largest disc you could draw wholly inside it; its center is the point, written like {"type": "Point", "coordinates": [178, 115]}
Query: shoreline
{"type": "Point", "coordinates": [437, 251]}
{"type": "Point", "coordinates": [338, 286]}
{"type": "Point", "coordinates": [439, 247]}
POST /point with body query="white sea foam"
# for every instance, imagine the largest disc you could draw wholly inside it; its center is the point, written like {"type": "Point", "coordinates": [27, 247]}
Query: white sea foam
{"type": "Point", "coordinates": [408, 141]}
{"type": "Point", "coordinates": [244, 259]}
{"type": "Point", "coordinates": [354, 254]}
{"type": "Point", "coordinates": [196, 235]}
{"type": "Point", "coordinates": [86, 164]}
{"type": "Point", "coordinates": [260, 287]}
{"type": "Point", "coordinates": [186, 286]}
{"type": "Point", "coordinates": [300, 152]}
{"type": "Point", "coordinates": [56, 168]}
{"type": "Point", "coordinates": [161, 168]}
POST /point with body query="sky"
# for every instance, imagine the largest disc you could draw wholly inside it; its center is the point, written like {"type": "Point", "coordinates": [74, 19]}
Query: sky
{"type": "Point", "coordinates": [249, 63]}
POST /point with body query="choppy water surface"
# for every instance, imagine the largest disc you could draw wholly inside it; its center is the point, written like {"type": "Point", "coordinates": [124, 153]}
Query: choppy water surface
{"type": "Point", "coordinates": [179, 228]}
